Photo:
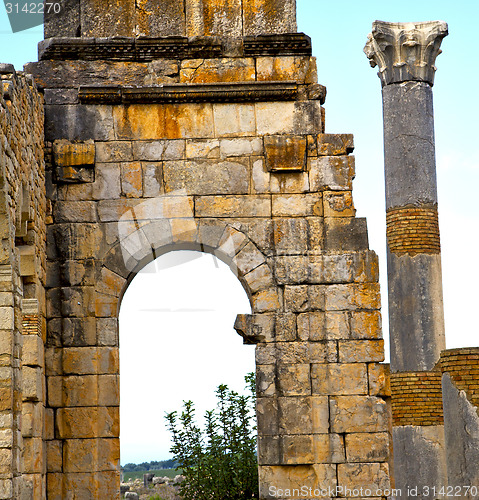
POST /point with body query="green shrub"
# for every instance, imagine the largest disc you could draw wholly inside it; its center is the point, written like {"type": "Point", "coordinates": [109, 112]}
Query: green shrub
{"type": "Point", "coordinates": [218, 462]}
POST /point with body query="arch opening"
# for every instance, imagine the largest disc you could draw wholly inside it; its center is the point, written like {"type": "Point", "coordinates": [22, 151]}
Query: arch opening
{"type": "Point", "coordinates": [177, 343]}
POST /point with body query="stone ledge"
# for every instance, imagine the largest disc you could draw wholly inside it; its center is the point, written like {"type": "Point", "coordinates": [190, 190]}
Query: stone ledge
{"type": "Point", "coordinates": [169, 47]}
{"type": "Point", "coordinates": [187, 93]}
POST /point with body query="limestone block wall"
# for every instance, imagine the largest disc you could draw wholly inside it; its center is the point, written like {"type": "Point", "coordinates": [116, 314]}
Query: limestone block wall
{"type": "Point", "coordinates": [22, 297]}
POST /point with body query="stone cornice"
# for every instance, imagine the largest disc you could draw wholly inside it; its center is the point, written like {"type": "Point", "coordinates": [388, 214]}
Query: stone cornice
{"type": "Point", "coordinates": [183, 93]}
{"type": "Point", "coordinates": [144, 49]}
{"type": "Point", "coordinates": [405, 51]}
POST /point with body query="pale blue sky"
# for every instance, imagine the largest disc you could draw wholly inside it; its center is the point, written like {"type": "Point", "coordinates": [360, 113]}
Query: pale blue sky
{"type": "Point", "coordinates": [353, 105]}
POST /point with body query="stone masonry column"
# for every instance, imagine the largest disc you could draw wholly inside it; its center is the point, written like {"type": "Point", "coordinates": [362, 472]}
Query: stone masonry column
{"type": "Point", "coordinates": [405, 54]}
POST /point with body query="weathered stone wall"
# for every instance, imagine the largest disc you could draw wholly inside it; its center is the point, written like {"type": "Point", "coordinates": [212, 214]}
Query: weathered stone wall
{"type": "Point", "coordinates": [228, 18]}
{"type": "Point", "coordinates": [22, 298]}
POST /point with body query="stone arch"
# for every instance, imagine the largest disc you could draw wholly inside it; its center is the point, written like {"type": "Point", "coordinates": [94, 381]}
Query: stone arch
{"type": "Point", "coordinates": [140, 244]}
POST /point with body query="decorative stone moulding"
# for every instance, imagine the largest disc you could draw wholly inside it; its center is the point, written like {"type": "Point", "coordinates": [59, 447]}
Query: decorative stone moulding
{"type": "Point", "coordinates": [282, 45]}
{"type": "Point", "coordinates": [405, 51]}
{"type": "Point", "coordinates": [169, 47]}
{"type": "Point", "coordinates": [187, 93]}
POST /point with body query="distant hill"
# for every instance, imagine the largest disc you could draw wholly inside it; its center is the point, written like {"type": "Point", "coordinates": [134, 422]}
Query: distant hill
{"type": "Point", "coordinates": [146, 466]}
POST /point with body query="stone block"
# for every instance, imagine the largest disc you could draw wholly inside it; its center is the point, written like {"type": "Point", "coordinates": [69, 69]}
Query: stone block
{"type": "Point", "coordinates": [339, 379]}
{"type": "Point", "coordinates": [358, 414]}
{"type": "Point", "coordinates": [68, 154]}
{"type": "Point", "coordinates": [323, 352]}
{"type": "Point", "coordinates": [65, 23]}
{"type": "Point", "coordinates": [296, 298]}
{"type": "Point", "coordinates": [289, 182]}
{"type": "Point", "coordinates": [113, 151]}
{"type": "Point", "coordinates": [84, 423]}
{"type": "Point", "coordinates": [367, 447]}
{"type": "Point", "coordinates": [78, 332]}
{"type": "Point", "coordinates": [338, 204]}
{"type": "Point", "coordinates": [335, 144]}
{"type": "Point", "coordinates": [78, 454]}
{"type": "Point", "coordinates": [159, 150]}
{"type": "Point", "coordinates": [33, 456]}
{"type": "Point", "coordinates": [75, 122]}
{"type": "Point", "coordinates": [202, 148]}
{"type": "Point", "coordinates": [214, 18]}
{"type": "Point", "coordinates": [345, 234]}
{"type": "Point", "coordinates": [54, 455]}
{"type": "Point", "coordinates": [233, 206]}
{"type": "Point", "coordinates": [6, 438]}
{"type": "Point", "coordinates": [261, 17]}
{"type": "Point", "coordinates": [80, 360]}
{"type": "Point", "coordinates": [32, 383]}
{"type": "Point", "coordinates": [291, 269]}
{"type": "Point", "coordinates": [265, 301]}
{"type": "Point", "coordinates": [337, 325]}
{"type": "Point", "coordinates": [160, 19]}
{"type": "Point", "coordinates": [6, 318]}
{"type": "Point", "coordinates": [265, 354]}
{"type": "Point", "coordinates": [290, 236]}
{"type": "Point", "coordinates": [285, 153]}
{"type": "Point", "coordinates": [269, 452]}
{"type": "Point", "coordinates": [207, 177]}
{"type": "Point", "coordinates": [379, 379]}
{"type": "Point", "coordinates": [366, 325]}
{"type": "Point", "coordinates": [157, 121]}
{"type": "Point", "coordinates": [316, 231]}
{"type": "Point", "coordinates": [107, 183]}
{"type": "Point", "coordinates": [301, 69]}
{"type": "Point", "coordinates": [332, 173]}
{"type": "Point", "coordinates": [118, 20]}
{"type": "Point", "coordinates": [360, 351]}
{"type": "Point", "coordinates": [368, 476]}
{"type": "Point", "coordinates": [297, 449]}
{"type": "Point", "coordinates": [107, 331]}
{"type": "Point", "coordinates": [287, 481]}
{"type": "Point", "coordinates": [79, 391]}
{"type": "Point", "coordinates": [294, 380]}
{"type": "Point", "coordinates": [311, 326]}
{"type": "Point", "coordinates": [285, 327]}
{"type": "Point", "coordinates": [234, 120]}
{"type": "Point", "coordinates": [217, 70]}
{"type": "Point", "coordinates": [74, 211]}
{"type": "Point", "coordinates": [265, 380]}
{"type": "Point", "coordinates": [295, 415]}
{"type": "Point", "coordinates": [353, 297]}
{"type": "Point", "coordinates": [53, 361]}
{"type": "Point", "coordinates": [359, 267]}
{"type": "Point", "coordinates": [292, 352]}
{"type": "Point", "coordinates": [6, 460]}
{"type": "Point", "coordinates": [329, 448]}
{"type": "Point", "coordinates": [49, 424]}
{"type": "Point", "coordinates": [132, 180]}
{"type": "Point", "coordinates": [247, 259]}
{"type": "Point", "coordinates": [152, 179]}
{"type": "Point", "coordinates": [267, 416]}
{"type": "Point", "coordinates": [259, 279]}
{"type": "Point", "coordinates": [241, 147]}
{"type": "Point", "coordinates": [33, 351]}
{"type": "Point", "coordinates": [297, 205]}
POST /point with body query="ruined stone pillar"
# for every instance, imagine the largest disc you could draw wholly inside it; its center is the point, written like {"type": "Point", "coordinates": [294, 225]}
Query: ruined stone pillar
{"type": "Point", "coordinates": [405, 54]}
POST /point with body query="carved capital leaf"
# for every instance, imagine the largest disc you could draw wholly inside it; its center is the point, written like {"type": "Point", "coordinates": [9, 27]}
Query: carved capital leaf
{"type": "Point", "coordinates": [405, 51]}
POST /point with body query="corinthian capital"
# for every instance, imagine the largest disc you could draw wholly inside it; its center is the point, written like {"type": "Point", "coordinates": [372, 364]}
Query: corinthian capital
{"type": "Point", "coordinates": [405, 51]}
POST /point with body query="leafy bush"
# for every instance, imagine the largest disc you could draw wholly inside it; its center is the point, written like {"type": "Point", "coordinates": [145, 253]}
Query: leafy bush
{"type": "Point", "coordinates": [219, 462]}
